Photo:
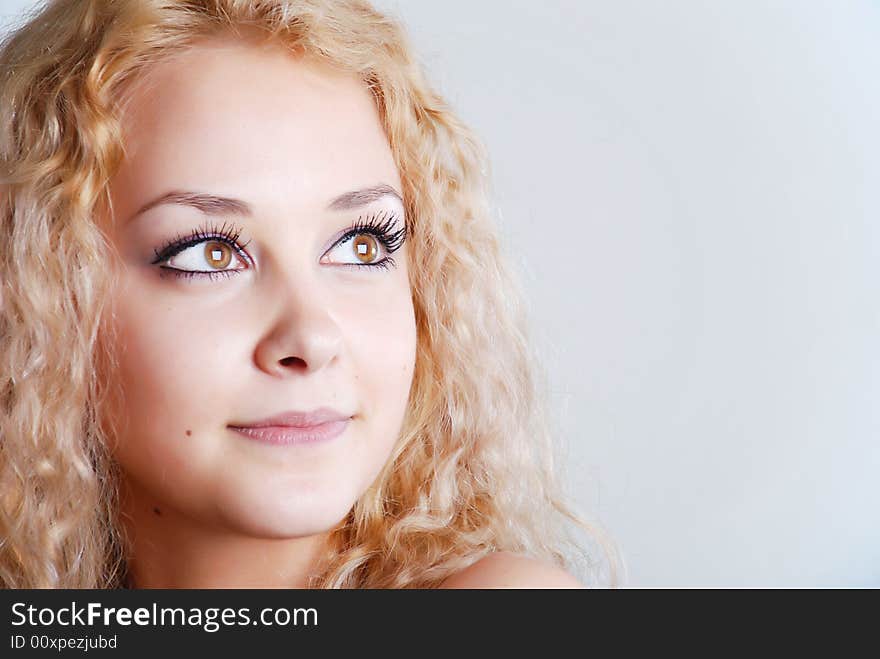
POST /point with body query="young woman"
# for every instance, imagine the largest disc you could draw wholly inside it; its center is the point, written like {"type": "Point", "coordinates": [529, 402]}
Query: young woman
{"type": "Point", "coordinates": [256, 327]}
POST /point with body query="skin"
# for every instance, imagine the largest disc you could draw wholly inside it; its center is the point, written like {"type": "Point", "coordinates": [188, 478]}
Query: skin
{"type": "Point", "coordinates": [504, 569]}
{"type": "Point", "coordinates": [205, 506]}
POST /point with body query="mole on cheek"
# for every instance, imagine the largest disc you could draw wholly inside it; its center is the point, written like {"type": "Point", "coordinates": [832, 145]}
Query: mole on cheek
{"type": "Point", "coordinates": [189, 432]}
{"type": "Point", "coordinates": [157, 511]}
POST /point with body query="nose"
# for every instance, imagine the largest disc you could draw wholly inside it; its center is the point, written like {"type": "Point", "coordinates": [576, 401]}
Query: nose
{"type": "Point", "coordinates": [303, 336]}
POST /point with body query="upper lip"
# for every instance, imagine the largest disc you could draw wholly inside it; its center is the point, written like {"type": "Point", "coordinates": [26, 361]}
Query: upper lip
{"type": "Point", "coordinates": [297, 419]}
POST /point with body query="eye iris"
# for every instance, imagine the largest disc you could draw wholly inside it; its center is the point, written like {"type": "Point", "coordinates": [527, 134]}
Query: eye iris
{"type": "Point", "coordinates": [218, 254]}
{"type": "Point", "coordinates": [365, 247]}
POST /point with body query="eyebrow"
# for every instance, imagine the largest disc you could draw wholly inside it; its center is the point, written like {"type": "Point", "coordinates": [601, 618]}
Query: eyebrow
{"type": "Point", "coordinates": [358, 198]}
{"type": "Point", "coordinates": [211, 204]}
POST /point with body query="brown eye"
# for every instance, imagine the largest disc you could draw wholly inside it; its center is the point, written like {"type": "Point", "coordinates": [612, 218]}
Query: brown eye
{"type": "Point", "coordinates": [366, 247]}
{"type": "Point", "coordinates": [218, 254]}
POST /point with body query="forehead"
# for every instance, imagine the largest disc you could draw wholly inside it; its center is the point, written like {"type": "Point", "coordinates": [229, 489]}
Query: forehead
{"type": "Point", "coordinates": [256, 122]}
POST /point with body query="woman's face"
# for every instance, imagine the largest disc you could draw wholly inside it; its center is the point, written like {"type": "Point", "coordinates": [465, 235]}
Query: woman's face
{"type": "Point", "coordinates": [288, 318]}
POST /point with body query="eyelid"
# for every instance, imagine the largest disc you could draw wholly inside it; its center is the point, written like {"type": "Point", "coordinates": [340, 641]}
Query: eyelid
{"type": "Point", "coordinates": [228, 235]}
{"type": "Point", "coordinates": [386, 218]}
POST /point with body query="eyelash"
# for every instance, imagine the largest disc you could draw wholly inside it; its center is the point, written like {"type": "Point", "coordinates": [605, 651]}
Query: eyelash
{"type": "Point", "coordinates": [378, 225]}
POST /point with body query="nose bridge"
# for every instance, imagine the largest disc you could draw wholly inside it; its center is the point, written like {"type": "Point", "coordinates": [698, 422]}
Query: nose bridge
{"type": "Point", "coordinates": [302, 334]}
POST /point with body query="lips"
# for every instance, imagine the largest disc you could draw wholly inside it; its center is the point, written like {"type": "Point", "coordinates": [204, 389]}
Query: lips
{"type": "Point", "coordinates": [297, 419]}
{"type": "Point", "coordinates": [296, 427]}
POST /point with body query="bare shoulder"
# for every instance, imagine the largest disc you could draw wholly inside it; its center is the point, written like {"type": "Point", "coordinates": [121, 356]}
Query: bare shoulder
{"type": "Point", "coordinates": [505, 569]}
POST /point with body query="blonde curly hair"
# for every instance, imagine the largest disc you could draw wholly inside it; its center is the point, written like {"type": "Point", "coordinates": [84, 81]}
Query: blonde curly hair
{"type": "Point", "coordinates": [472, 471]}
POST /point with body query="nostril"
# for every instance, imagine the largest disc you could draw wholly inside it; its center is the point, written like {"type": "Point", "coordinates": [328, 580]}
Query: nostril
{"type": "Point", "coordinates": [288, 361]}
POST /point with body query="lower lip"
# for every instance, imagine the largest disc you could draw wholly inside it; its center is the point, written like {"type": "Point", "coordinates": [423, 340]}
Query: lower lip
{"type": "Point", "coordinates": [287, 435]}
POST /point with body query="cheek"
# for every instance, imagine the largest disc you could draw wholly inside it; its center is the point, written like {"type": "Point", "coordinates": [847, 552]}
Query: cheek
{"type": "Point", "coordinates": [170, 366]}
{"type": "Point", "coordinates": [169, 363]}
{"type": "Point", "coordinates": [382, 349]}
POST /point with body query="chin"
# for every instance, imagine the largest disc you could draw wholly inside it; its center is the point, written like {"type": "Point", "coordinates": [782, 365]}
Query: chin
{"type": "Point", "coordinates": [294, 520]}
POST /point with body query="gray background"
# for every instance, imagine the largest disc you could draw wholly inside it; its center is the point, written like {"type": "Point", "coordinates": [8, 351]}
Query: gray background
{"type": "Point", "coordinates": [689, 192]}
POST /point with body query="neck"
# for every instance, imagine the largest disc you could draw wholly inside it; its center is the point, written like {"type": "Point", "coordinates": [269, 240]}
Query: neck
{"type": "Point", "coordinates": [171, 550]}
